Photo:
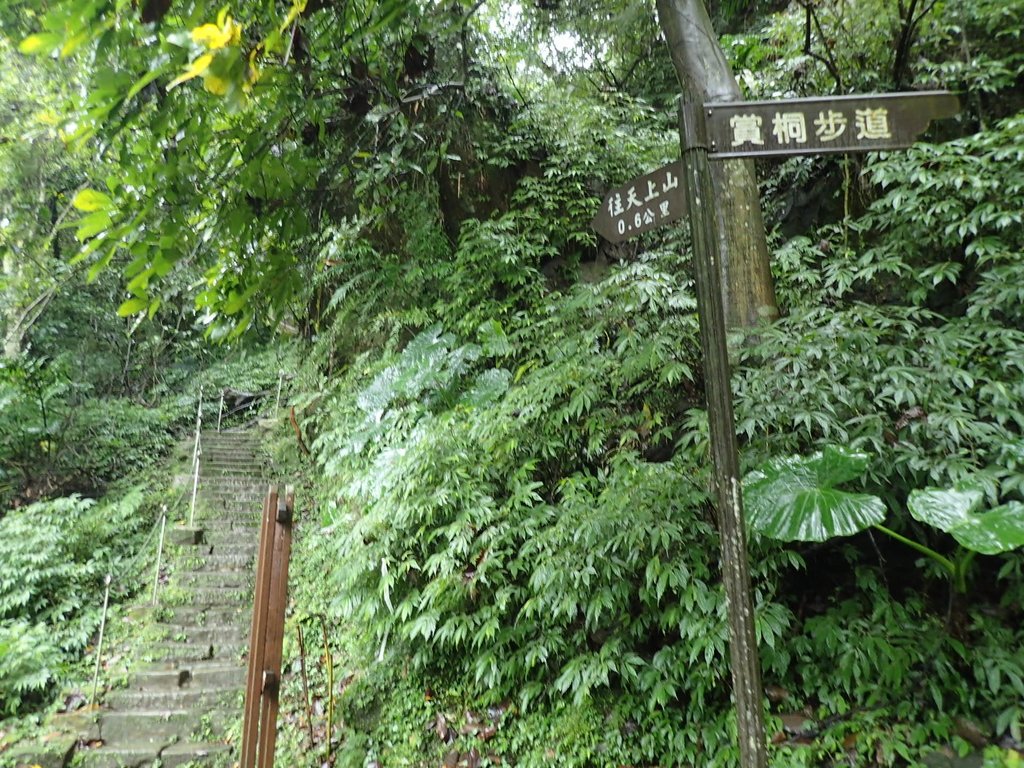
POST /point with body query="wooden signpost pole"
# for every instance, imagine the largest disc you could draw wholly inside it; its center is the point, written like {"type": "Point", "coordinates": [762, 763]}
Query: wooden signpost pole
{"type": "Point", "coordinates": [744, 660]}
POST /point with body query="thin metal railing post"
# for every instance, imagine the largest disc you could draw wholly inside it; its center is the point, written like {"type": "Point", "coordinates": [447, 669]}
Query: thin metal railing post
{"type": "Point", "coordinates": [195, 483]}
{"type": "Point", "coordinates": [220, 410]}
{"type": "Point", "coordinates": [159, 552]}
{"type": "Point", "coordinates": [280, 381]}
{"type": "Point", "coordinates": [196, 451]}
{"type": "Point", "coordinates": [99, 643]}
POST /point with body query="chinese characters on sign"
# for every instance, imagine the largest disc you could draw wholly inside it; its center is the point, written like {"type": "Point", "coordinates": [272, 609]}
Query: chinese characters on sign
{"type": "Point", "coordinates": [814, 126]}
{"type": "Point", "coordinates": [771, 128]}
{"type": "Point", "coordinates": [641, 205]}
{"type": "Point", "coordinates": [790, 128]}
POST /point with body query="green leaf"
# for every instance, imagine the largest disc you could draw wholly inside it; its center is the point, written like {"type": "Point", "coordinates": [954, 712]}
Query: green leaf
{"type": "Point", "coordinates": [91, 225]}
{"type": "Point", "coordinates": [41, 43]}
{"type": "Point", "coordinates": [953, 510]}
{"type": "Point", "coordinates": [132, 306]}
{"type": "Point", "coordinates": [90, 200]}
{"type": "Point", "coordinates": [793, 498]}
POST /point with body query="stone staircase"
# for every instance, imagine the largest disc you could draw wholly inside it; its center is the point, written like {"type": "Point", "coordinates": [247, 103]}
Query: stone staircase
{"type": "Point", "coordinates": [176, 706]}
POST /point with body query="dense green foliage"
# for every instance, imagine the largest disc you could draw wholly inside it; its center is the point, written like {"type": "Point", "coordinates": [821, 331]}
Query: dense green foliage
{"type": "Point", "coordinates": [54, 558]}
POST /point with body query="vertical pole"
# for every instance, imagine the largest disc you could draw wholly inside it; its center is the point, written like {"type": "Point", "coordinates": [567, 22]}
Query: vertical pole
{"type": "Point", "coordinates": [199, 417]}
{"type": "Point", "coordinates": [744, 661]}
{"type": "Point", "coordinates": [220, 410]}
{"type": "Point", "coordinates": [257, 634]}
{"type": "Point", "coordinates": [195, 484]}
{"type": "Point", "coordinates": [195, 461]}
{"type": "Point", "coordinates": [277, 603]}
{"type": "Point", "coordinates": [280, 381]}
{"type": "Point", "coordinates": [159, 553]}
{"type": "Point", "coordinates": [99, 643]}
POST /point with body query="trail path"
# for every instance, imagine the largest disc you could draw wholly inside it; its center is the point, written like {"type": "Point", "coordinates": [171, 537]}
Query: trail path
{"type": "Point", "coordinates": [174, 709]}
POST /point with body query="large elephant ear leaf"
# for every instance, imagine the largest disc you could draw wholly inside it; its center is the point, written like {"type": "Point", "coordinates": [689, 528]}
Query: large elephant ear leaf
{"type": "Point", "coordinates": [795, 498]}
{"type": "Point", "coordinates": [954, 510]}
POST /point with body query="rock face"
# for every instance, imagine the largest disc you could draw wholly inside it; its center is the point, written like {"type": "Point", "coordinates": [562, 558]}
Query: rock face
{"type": "Point", "coordinates": [177, 705]}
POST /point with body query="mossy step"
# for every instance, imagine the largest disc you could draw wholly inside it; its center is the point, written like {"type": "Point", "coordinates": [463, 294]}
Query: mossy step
{"type": "Point", "coordinates": [130, 755]}
{"type": "Point", "coordinates": [218, 596]}
{"type": "Point", "coordinates": [171, 675]}
{"type": "Point", "coordinates": [205, 579]}
{"type": "Point", "coordinates": [202, 615]}
{"type": "Point", "coordinates": [52, 752]}
{"type": "Point", "coordinates": [154, 727]}
{"type": "Point", "coordinates": [223, 483]}
{"type": "Point", "coordinates": [235, 632]}
{"type": "Point", "coordinates": [249, 523]}
{"type": "Point", "coordinates": [184, 753]}
{"type": "Point", "coordinates": [191, 652]}
{"type": "Point", "coordinates": [231, 537]}
{"type": "Point", "coordinates": [230, 549]}
{"type": "Point", "coordinates": [174, 698]}
{"type": "Point", "coordinates": [223, 562]}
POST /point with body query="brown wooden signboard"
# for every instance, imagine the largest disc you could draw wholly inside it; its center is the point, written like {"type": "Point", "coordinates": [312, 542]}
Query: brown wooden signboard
{"type": "Point", "coordinates": [818, 126]}
{"type": "Point", "coordinates": [645, 203]}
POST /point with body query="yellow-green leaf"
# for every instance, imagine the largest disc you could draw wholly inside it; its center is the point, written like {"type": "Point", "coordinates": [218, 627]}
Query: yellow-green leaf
{"type": "Point", "coordinates": [132, 306]}
{"type": "Point", "coordinates": [90, 200]}
{"type": "Point", "coordinates": [38, 44]}
{"type": "Point", "coordinates": [92, 225]}
{"type": "Point", "coordinates": [72, 44]}
{"type": "Point", "coordinates": [218, 86]}
{"type": "Point", "coordinates": [198, 67]}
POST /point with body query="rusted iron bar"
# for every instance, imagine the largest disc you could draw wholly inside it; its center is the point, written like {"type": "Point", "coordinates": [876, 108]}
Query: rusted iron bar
{"type": "Point", "coordinates": [259, 732]}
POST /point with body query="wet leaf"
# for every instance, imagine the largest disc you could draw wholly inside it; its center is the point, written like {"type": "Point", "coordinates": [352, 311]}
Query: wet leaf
{"type": "Point", "coordinates": [794, 498]}
{"type": "Point", "coordinates": [954, 510]}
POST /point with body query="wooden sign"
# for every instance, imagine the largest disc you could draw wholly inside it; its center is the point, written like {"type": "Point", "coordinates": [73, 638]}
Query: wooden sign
{"type": "Point", "coordinates": [816, 126]}
{"type": "Point", "coordinates": [643, 204]}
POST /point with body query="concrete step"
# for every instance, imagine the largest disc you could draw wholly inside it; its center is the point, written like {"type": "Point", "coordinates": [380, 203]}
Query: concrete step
{"type": "Point", "coordinates": [207, 579]}
{"type": "Point", "coordinates": [171, 755]}
{"type": "Point", "coordinates": [225, 562]}
{"type": "Point", "coordinates": [230, 511]}
{"type": "Point", "coordinates": [128, 755]}
{"type": "Point", "coordinates": [185, 753]}
{"type": "Point", "coordinates": [154, 727]}
{"type": "Point", "coordinates": [237, 632]}
{"type": "Point", "coordinates": [176, 698]}
{"type": "Point", "coordinates": [248, 483]}
{"type": "Point", "coordinates": [231, 549]}
{"type": "Point", "coordinates": [202, 615]}
{"type": "Point", "coordinates": [221, 596]}
{"type": "Point", "coordinates": [217, 539]}
{"type": "Point", "coordinates": [190, 652]}
{"type": "Point", "coordinates": [172, 675]}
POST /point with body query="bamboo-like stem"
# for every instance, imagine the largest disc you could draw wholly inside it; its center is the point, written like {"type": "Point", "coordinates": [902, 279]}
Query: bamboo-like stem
{"type": "Point", "coordinates": [159, 553]}
{"type": "Point", "coordinates": [99, 643]}
{"type": "Point", "coordinates": [305, 682]}
{"type": "Point", "coordinates": [945, 562]}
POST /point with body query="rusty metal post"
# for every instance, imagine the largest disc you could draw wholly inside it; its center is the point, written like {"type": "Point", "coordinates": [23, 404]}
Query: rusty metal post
{"type": "Point", "coordinates": [253, 686]}
{"type": "Point", "coordinates": [259, 734]}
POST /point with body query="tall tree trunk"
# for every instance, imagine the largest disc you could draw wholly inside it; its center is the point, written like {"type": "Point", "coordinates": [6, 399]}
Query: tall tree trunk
{"type": "Point", "coordinates": [12, 331]}
{"type": "Point", "coordinates": [747, 289]}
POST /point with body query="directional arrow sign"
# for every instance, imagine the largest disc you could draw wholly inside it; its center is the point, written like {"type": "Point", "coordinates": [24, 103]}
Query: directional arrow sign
{"type": "Point", "coordinates": [641, 205]}
{"type": "Point", "coordinates": [817, 126]}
